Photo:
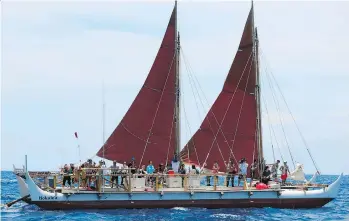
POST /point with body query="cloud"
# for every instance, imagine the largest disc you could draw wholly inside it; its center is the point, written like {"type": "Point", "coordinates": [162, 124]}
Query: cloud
{"type": "Point", "coordinates": [55, 55]}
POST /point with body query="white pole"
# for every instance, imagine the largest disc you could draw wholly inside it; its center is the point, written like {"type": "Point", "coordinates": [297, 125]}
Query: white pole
{"type": "Point", "coordinates": [103, 117]}
{"type": "Point", "coordinates": [103, 133]}
{"type": "Point", "coordinates": [26, 164]}
{"type": "Point", "coordinates": [77, 141]}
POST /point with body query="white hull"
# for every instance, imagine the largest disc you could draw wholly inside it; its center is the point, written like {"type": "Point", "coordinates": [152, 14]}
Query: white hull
{"type": "Point", "coordinates": [194, 198]}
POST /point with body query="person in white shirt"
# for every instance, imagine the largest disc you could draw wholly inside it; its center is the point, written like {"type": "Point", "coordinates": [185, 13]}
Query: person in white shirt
{"type": "Point", "coordinates": [124, 170]}
{"type": "Point", "coordinates": [242, 170]}
{"type": "Point", "coordinates": [175, 164]}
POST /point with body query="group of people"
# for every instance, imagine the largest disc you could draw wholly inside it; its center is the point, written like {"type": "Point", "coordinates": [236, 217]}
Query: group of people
{"type": "Point", "coordinates": [88, 171]}
{"type": "Point", "coordinates": [272, 173]}
{"type": "Point", "coordinates": [231, 171]}
{"type": "Point", "coordinates": [85, 173]}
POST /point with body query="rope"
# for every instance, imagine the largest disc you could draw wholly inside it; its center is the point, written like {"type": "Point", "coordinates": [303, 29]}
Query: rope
{"type": "Point", "coordinates": [280, 119]}
{"type": "Point", "coordinates": [303, 139]}
{"type": "Point", "coordinates": [272, 129]}
{"type": "Point", "coordinates": [219, 129]}
{"type": "Point", "coordinates": [225, 114]}
{"type": "Point", "coordinates": [169, 142]}
{"type": "Point", "coordinates": [197, 91]}
{"type": "Point", "coordinates": [157, 109]}
{"type": "Point", "coordinates": [242, 105]}
{"type": "Point", "coordinates": [187, 123]}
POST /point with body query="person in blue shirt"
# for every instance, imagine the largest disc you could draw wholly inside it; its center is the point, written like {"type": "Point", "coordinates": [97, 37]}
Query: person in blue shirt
{"type": "Point", "coordinates": [150, 168]}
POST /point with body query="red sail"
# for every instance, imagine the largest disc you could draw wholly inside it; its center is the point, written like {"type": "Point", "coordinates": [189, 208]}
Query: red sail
{"type": "Point", "coordinates": [147, 130]}
{"type": "Point", "coordinates": [209, 144]}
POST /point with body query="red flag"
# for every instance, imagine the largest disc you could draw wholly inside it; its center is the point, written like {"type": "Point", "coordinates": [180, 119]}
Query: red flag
{"type": "Point", "coordinates": [76, 134]}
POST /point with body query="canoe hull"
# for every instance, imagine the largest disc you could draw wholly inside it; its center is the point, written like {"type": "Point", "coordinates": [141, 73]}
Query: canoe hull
{"type": "Point", "coordinates": [194, 198]}
{"type": "Point", "coordinates": [210, 204]}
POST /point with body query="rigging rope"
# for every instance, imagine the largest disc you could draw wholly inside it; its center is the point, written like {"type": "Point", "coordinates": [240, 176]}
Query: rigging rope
{"type": "Point", "coordinates": [197, 91]}
{"type": "Point", "coordinates": [188, 125]}
{"type": "Point", "coordinates": [241, 107]}
{"type": "Point", "coordinates": [219, 128]}
{"type": "Point", "coordinates": [280, 118]}
{"type": "Point", "coordinates": [157, 109]}
{"type": "Point", "coordinates": [169, 141]}
{"type": "Point", "coordinates": [272, 129]}
{"type": "Point", "coordinates": [225, 114]}
{"type": "Point", "coordinates": [303, 139]}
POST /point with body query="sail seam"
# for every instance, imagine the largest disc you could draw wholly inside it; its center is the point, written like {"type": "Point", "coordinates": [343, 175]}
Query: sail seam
{"type": "Point", "coordinates": [123, 125]}
{"type": "Point", "coordinates": [157, 90]}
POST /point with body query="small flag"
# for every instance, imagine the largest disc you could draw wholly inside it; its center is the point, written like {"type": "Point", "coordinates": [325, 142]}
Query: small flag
{"type": "Point", "coordinates": [76, 134]}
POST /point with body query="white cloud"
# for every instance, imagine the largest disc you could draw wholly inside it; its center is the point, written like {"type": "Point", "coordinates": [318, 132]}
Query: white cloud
{"type": "Point", "coordinates": [55, 54]}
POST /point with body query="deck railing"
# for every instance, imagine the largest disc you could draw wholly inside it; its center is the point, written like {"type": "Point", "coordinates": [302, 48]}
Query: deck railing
{"type": "Point", "coordinates": [101, 178]}
{"type": "Point", "coordinates": [82, 179]}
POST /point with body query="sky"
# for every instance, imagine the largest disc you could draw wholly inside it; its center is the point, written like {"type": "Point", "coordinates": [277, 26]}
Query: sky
{"type": "Point", "coordinates": [56, 54]}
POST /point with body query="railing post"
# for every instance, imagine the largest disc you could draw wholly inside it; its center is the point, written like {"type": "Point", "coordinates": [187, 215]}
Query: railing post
{"type": "Point", "coordinates": [215, 182]}
{"type": "Point", "coordinates": [78, 180]}
{"type": "Point", "coordinates": [54, 181]}
{"type": "Point", "coordinates": [225, 180]}
{"type": "Point", "coordinates": [99, 183]}
{"type": "Point", "coordinates": [156, 183]}
{"type": "Point", "coordinates": [185, 182]}
{"type": "Point", "coordinates": [129, 183]}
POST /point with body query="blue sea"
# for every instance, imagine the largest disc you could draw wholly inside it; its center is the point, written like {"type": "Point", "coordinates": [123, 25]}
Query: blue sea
{"type": "Point", "coordinates": [335, 210]}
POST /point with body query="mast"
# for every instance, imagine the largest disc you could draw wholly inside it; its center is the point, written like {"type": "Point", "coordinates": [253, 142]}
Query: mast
{"type": "Point", "coordinates": [103, 118]}
{"type": "Point", "coordinates": [257, 91]}
{"type": "Point", "coordinates": [177, 105]}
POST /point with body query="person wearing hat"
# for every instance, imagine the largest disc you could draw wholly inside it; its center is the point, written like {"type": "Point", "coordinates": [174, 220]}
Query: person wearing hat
{"type": "Point", "coordinates": [284, 171]}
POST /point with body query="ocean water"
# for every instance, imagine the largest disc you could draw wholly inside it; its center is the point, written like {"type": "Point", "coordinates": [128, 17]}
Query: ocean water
{"type": "Point", "coordinates": [335, 210]}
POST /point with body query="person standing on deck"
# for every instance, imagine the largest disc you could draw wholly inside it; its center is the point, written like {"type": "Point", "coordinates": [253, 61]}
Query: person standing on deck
{"type": "Point", "coordinates": [215, 169]}
{"type": "Point", "coordinates": [132, 166]}
{"type": "Point", "coordinates": [150, 167]}
{"type": "Point", "coordinates": [274, 170]}
{"type": "Point", "coordinates": [254, 170]}
{"type": "Point", "coordinates": [266, 175]}
{"type": "Point", "coordinates": [231, 171]}
{"type": "Point", "coordinates": [142, 172]}
{"type": "Point", "coordinates": [150, 170]}
{"type": "Point", "coordinates": [182, 171]}
{"type": "Point", "coordinates": [284, 171]}
{"type": "Point", "coordinates": [124, 170]}
{"type": "Point", "coordinates": [242, 170]}
{"type": "Point", "coordinates": [89, 172]}
{"type": "Point", "coordinates": [66, 175]}
{"type": "Point", "coordinates": [114, 169]}
{"type": "Point", "coordinates": [194, 170]}
{"type": "Point", "coordinates": [72, 169]}
{"type": "Point", "coordinates": [175, 163]}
